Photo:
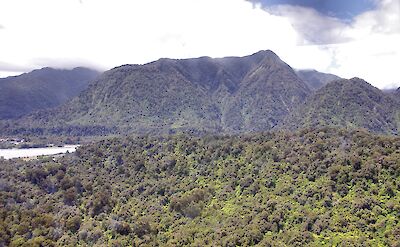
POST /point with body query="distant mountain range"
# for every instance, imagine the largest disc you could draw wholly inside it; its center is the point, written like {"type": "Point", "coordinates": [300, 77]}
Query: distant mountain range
{"type": "Point", "coordinates": [41, 89]}
{"type": "Point", "coordinates": [224, 95]}
{"type": "Point", "coordinates": [314, 79]}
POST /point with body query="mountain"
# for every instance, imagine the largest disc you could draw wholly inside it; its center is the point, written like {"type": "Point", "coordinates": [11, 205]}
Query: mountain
{"type": "Point", "coordinates": [232, 94]}
{"type": "Point", "coordinates": [41, 89]}
{"type": "Point", "coordinates": [227, 95]}
{"type": "Point", "coordinates": [350, 103]}
{"type": "Point", "coordinates": [315, 79]}
{"type": "Point", "coordinates": [396, 96]}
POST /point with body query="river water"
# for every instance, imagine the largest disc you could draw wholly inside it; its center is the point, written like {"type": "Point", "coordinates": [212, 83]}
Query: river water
{"type": "Point", "coordinates": [32, 152]}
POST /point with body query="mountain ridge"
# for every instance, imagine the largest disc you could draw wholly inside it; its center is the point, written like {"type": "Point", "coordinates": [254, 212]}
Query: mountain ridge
{"type": "Point", "coordinates": [352, 103]}
{"type": "Point", "coordinates": [229, 95]}
{"type": "Point", "coordinates": [315, 79]}
{"type": "Point", "coordinates": [233, 94]}
{"type": "Point", "coordinates": [41, 89]}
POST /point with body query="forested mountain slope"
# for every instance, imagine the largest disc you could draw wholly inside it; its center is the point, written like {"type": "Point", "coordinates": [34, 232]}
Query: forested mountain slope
{"type": "Point", "coordinates": [233, 94]}
{"type": "Point", "coordinates": [214, 95]}
{"type": "Point", "coordinates": [41, 89]}
{"type": "Point", "coordinates": [350, 103]}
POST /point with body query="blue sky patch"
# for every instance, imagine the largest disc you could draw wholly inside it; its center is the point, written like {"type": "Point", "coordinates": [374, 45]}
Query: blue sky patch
{"type": "Point", "coordinates": [342, 9]}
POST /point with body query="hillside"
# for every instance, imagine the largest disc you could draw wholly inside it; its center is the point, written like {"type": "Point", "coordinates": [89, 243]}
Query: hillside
{"type": "Point", "coordinates": [203, 95]}
{"type": "Point", "coordinates": [350, 103]}
{"type": "Point", "coordinates": [315, 79]}
{"type": "Point", "coordinates": [41, 89]}
{"type": "Point", "coordinates": [233, 94]}
{"type": "Point", "coordinates": [327, 188]}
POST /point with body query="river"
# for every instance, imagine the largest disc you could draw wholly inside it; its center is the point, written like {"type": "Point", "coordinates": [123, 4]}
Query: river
{"type": "Point", "coordinates": [33, 152]}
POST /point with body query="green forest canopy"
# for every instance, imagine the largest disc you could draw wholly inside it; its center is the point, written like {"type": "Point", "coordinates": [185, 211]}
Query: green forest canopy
{"type": "Point", "coordinates": [325, 187]}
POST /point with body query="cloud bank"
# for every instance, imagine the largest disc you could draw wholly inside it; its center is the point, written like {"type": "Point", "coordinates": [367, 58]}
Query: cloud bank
{"type": "Point", "coordinates": [366, 47]}
{"type": "Point", "coordinates": [104, 34]}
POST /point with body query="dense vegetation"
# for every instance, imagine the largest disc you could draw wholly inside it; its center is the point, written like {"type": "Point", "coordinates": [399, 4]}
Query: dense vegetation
{"type": "Point", "coordinates": [350, 103]}
{"type": "Point", "coordinates": [233, 94]}
{"type": "Point", "coordinates": [205, 95]}
{"type": "Point", "coordinates": [41, 89]}
{"type": "Point", "coordinates": [324, 187]}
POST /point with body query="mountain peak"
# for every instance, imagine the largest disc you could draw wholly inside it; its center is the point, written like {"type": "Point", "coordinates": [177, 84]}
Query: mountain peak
{"type": "Point", "coordinates": [56, 70]}
{"type": "Point", "coordinates": [352, 103]}
{"type": "Point", "coordinates": [359, 82]}
{"type": "Point", "coordinates": [351, 84]}
{"type": "Point", "coordinates": [231, 94]}
{"type": "Point", "coordinates": [41, 70]}
{"type": "Point", "coordinates": [358, 79]}
{"type": "Point", "coordinates": [354, 82]}
{"type": "Point", "coordinates": [263, 54]}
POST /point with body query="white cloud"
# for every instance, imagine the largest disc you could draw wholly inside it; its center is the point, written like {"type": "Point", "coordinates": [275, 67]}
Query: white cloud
{"type": "Point", "coordinates": [108, 33]}
{"type": "Point", "coordinates": [7, 69]}
{"type": "Point", "coordinates": [313, 27]}
{"type": "Point", "coordinates": [111, 33]}
{"type": "Point", "coordinates": [368, 47]}
{"type": "Point", "coordinates": [385, 20]}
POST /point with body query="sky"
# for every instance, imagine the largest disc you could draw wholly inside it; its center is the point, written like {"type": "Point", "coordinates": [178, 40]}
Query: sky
{"type": "Point", "coordinates": [342, 9]}
{"type": "Point", "coordinates": [357, 38]}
